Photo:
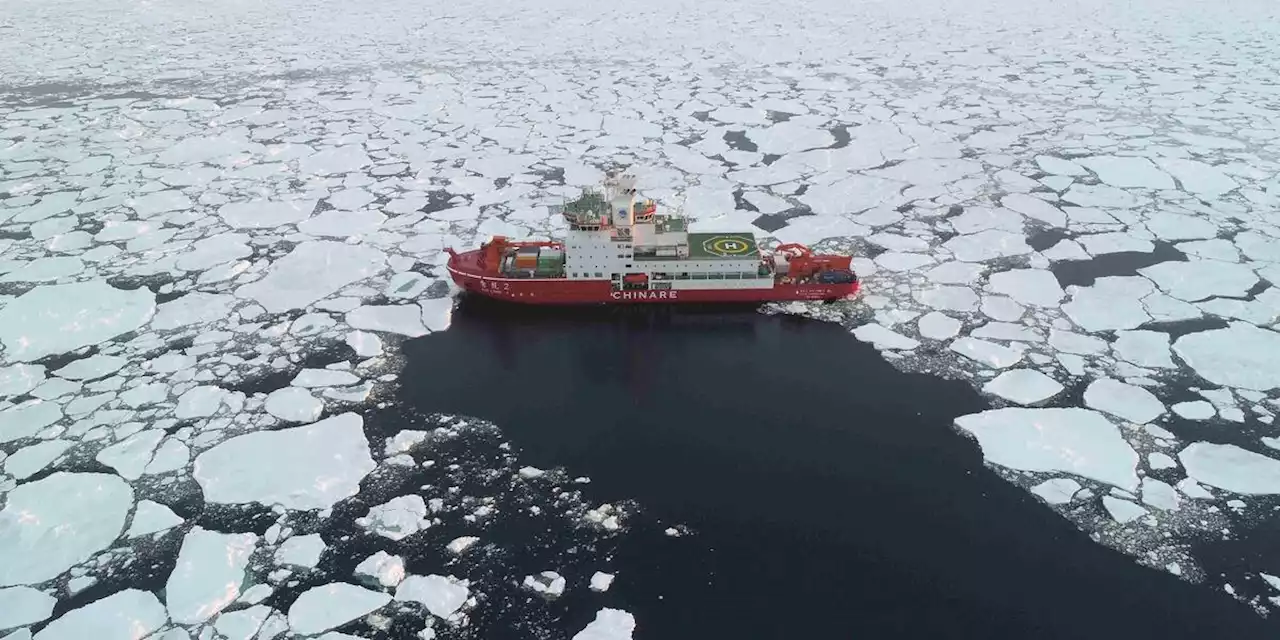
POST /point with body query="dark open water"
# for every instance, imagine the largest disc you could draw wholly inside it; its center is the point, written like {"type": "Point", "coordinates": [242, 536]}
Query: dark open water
{"type": "Point", "coordinates": [828, 494]}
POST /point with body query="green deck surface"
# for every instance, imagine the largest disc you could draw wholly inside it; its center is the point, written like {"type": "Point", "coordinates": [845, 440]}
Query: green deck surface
{"type": "Point", "coordinates": [722, 246]}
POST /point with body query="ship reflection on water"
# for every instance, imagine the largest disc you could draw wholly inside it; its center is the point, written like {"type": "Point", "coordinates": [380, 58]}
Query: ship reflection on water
{"type": "Point", "coordinates": [828, 494]}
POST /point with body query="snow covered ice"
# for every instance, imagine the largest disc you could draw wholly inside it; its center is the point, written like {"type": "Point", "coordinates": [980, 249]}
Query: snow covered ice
{"type": "Point", "coordinates": [1082, 238]}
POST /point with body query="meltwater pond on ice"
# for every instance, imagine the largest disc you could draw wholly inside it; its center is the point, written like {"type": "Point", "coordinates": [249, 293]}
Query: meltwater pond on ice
{"type": "Point", "coordinates": [825, 493]}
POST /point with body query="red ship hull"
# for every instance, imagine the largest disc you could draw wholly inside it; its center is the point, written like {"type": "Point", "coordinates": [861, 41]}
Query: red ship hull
{"type": "Point", "coordinates": [465, 269]}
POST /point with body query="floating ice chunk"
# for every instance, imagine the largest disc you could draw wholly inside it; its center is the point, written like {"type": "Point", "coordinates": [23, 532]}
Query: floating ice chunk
{"type": "Point", "coordinates": [938, 326]}
{"type": "Point", "coordinates": [1195, 410]}
{"type": "Point", "coordinates": [1001, 308]}
{"type": "Point", "coordinates": [404, 441]}
{"type": "Point", "coordinates": [1197, 177]}
{"type": "Point", "coordinates": [366, 345]}
{"type": "Point", "coordinates": [437, 313]}
{"type": "Point", "coordinates": [1057, 490]}
{"type": "Point", "coordinates": [308, 467]}
{"type": "Point", "coordinates": [1158, 461]}
{"type": "Point", "coordinates": [988, 353]}
{"type": "Point", "coordinates": [45, 269]}
{"type": "Point", "coordinates": [405, 320]}
{"type": "Point", "coordinates": [1190, 489]}
{"type": "Point", "coordinates": [1143, 348]}
{"type": "Point", "coordinates": [1134, 404]}
{"type": "Point", "coordinates": [55, 319]}
{"type": "Point", "coordinates": [1232, 468]}
{"type": "Point", "coordinates": [1112, 303]}
{"type": "Point", "coordinates": [21, 606]}
{"type": "Point", "coordinates": [1034, 287]}
{"type": "Point", "coordinates": [884, 338]}
{"type": "Point", "coordinates": [194, 308]}
{"type": "Point", "coordinates": [1059, 166]}
{"type": "Point", "coordinates": [1128, 171]}
{"type": "Point", "coordinates": [208, 575]}
{"type": "Point", "coordinates": [406, 285]}
{"type": "Point", "coordinates": [16, 380]}
{"type": "Point", "coordinates": [381, 569]}
{"type": "Point", "coordinates": [987, 245]}
{"type": "Point", "coordinates": [1199, 279]}
{"type": "Point", "coordinates": [1240, 355]}
{"type": "Point", "coordinates": [1023, 386]}
{"type": "Point", "coordinates": [151, 517]}
{"type": "Point", "coordinates": [1122, 511]}
{"type": "Point", "coordinates": [1065, 250]}
{"type": "Point", "coordinates": [124, 615]}
{"type": "Point", "coordinates": [1007, 331]}
{"type": "Point", "coordinates": [398, 518]}
{"type": "Point", "coordinates": [1159, 494]}
{"type": "Point", "coordinates": [1035, 208]}
{"type": "Point", "coordinates": [600, 581]}
{"type": "Point", "coordinates": [1071, 440]}
{"type": "Point", "coordinates": [322, 608]}
{"type": "Point", "coordinates": [200, 402]}
{"type": "Point", "coordinates": [949, 298]}
{"type": "Point", "coordinates": [898, 262]}
{"type": "Point", "coordinates": [130, 456]}
{"type": "Point", "coordinates": [92, 368]}
{"type": "Point", "coordinates": [257, 593]}
{"type": "Point", "coordinates": [242, 624]}
{"type": "Point", "coordinates": [342, 224]}
{"type": "Point", "coordinates": [313, 270]}
{"type": "Point", "coordinates": [31, 460]}
{"type": "Point", "coordinates": [312, 378]}
{"type": "Point", "coordinates": [294, 404]}
{"type": "Point", "coordinates": [1100, 195]}
{"type": "Point", "coordinates": [301, 552]}
{"type": "Point", "coordinates": [172, 456]}
{"type": "Point", "coordinates": [956, 273]}
{"type": "Point", "coordinates": [65, 519]}
{"type": "Point", "coordinates": [1104, 243]}
{"type": "Point", "coordinates": [442, 596]}
{"type": "Point", "coordinates": [548, 583]}
{"type": "Point", "coordinates": [212, 251]}
{"type": "Point", "coordinates": [851, 195]}
{"type": "Point", "coordinates": [609, 624]}
{"type": "Point", "coordinates": [1177, 226]}
{"type": "Point", "coordinates": [265, 214]}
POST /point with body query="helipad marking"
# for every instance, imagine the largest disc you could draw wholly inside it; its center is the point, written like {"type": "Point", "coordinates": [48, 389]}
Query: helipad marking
{"type": "Point", "coordinates": [726, 246]}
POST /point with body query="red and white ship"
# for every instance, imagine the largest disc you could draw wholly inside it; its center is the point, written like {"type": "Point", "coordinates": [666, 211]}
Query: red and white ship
{"type": "Point", "coordinates": [619, 250]}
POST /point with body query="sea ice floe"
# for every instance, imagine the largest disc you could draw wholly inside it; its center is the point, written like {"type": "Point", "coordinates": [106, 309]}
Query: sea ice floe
{"type": "Point", "coordinates": [242, 624]}
{"type": "Point", "coordinates": [294, 404]}
{"type": "Point", "coordinates": [313, 270]}
{"type": "Point", "coordinates": [325, 607]}
{"type": "Point", "coordinates": [125, 615]}
{"type": "Point", "coordinates": [1143, 348]}
{"type": "Point", "coordinates": [1069, 440]}
{"type": "Point", "coordinates": [1127, 401]}
{"type": "Point", "coordinates": [404, 319]}
{"type": "Point", "coordinates": [443, 596]}
{"type": "Point", "coordinates": [1194, 410]}
{"type": "Point", "coordinates": [600, 581]}
{"type": "Point", "coordinates": [398, 518]}
{"type": "Point", "coordinates": [1232, 468]}
{"type": "Point", "coordinates": [21, 606]}
{"type": "Point", "coordinates": [1111, 303]}
{"type": "Point", "coordinates": [27, 419]}
{"type": "Point", "coordinates": [130, 456]}
{"type": "Point", "coordinates": [151, 517]}
{"type": "Point", "coordinates": [938, 326]}
{"type": "Point", "coordinates": [1122, 511]}
{"type": "Point", "coordinates": [1057, 490]}
{"type": "Point", "coordinates": [313, 378]}
{"type": "Point", "coordinates": [381, 569]}
{"type": "Point", "coordinates": [56, 319]}
{"type": "Point", "coordinates": [52, 524]}
{"type": "Point", "coordinates": [1033, 287]}
{"type": "Point", "coordinates": [460, 544]}
{"type": "Point", "coordinates": [1159, 494]}
{"type": "Point", "coordinates": [1241, 355]}
{"type": "Point", "coordinates": [1023, 386]}
{"type": "Point", "coordinates": [548, 584]}
{"type": "Point", "coordinates": [31, 460]}
{"type": "Point", "coordinates": [301, 552]}
{"type": "Point", "coordinates": [609, 624]}
{"type": "Point", "coordinates": [987, 353]}
{"type": "Point", "coordinates": [884, 338]}
{"type": "Point", "coordinates": [1196, 280]}
{"type": "Point", "coordinates": [209, 573]}
{"type": "Point", "coordinates": [307, 467]}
